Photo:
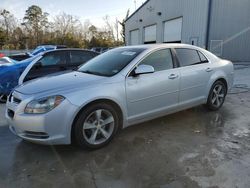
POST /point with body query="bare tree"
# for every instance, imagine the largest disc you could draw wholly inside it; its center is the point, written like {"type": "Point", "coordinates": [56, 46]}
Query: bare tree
{"type": "Point", "coordinates": [8, 22]}
{"type": "Point", "coordinates": [116, 27]}
{"type": "Point", "coordinates": [108, 28]}
{"type": "Point", "coordinates": [65, 24]}
{"type": "Point", "coordinates": [85, 30]}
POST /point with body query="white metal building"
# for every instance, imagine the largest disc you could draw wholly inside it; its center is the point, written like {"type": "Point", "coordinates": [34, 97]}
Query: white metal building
{"type": "Point", "coordinates": [221, 26]}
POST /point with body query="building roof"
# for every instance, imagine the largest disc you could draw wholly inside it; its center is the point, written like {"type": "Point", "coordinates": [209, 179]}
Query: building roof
{"type": "Point", "coordinates": [137, 10]}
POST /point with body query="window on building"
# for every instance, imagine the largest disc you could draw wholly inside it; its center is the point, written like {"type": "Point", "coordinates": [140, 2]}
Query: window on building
{"type": "Point", "coordinates": [172, 31]}
{"type": "Point", "coordinates": [150, 34]}
{"type": "Point", "coordinates": [134, 37]}
{"type": "Point", "coordinates": [160, 60]}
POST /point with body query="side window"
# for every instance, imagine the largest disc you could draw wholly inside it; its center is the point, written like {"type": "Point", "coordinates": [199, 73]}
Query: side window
{"type": "Point", "coordinates": [188, 57]}
{"type": "Point", "coordinates": [54, 58]}
{"type": "Point", "coordinates": [80, 57]}
{"type": "Point", "coordinates": [202, 57]}
{"type": "Point", "coordinates": [160, 60]}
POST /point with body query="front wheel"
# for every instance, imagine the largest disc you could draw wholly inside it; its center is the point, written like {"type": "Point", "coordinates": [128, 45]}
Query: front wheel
{"type": "Point", "coordinates": [96, 126]}
{"type": "Point", "coordinates": [216, 96]}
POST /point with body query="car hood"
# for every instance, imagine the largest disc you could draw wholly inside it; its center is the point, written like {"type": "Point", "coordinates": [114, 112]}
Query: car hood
{"type": "Point", "coordinates": [7, 60]}
{"type": "Point", "coordinates": [58, 82]}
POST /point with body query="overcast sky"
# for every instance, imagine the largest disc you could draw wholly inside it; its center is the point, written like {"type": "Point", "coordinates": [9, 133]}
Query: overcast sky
{"type": "Point", "coordinates": [94, 10]}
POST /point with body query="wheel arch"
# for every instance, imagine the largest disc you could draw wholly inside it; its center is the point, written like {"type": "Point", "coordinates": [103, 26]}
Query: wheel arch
{"type": "Point", "coordinates": [102, 100]}
{"type": "Point", "coordinates": [224, 81]}
{"type": "Point", "coordinates": [218, 75]}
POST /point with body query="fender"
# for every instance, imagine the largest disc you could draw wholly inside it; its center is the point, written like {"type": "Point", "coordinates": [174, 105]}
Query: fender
{"type": "Point", "coordinates": [218, 74]}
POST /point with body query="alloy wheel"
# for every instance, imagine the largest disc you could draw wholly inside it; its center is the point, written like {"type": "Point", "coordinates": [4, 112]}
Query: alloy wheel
{"type": "Point", "coordinates": [218, 95]}
{"type": "Point", "coordinates": [98, 126]}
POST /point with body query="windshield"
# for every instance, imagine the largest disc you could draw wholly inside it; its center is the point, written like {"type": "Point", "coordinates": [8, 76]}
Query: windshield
{"type": "Point", "coordinates": [29, 59]}
{"type": "Point", "coordinates": [111, 62]}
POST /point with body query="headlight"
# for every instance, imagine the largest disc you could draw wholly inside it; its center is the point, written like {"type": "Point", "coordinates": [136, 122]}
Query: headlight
{"type": "Point", "coordinates": [43, 105]}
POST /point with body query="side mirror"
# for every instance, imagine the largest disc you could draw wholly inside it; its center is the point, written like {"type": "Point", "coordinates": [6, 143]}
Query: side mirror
{"type": "Point", "coordinates": [144, 69]}
{"type": "Point", "coordinates": [38, 65]}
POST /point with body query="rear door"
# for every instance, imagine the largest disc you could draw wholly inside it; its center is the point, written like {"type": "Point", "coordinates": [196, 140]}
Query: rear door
{"type": "Point", "coordinates": [79, 57]}
{"type": "Point", "coordinates": [195, 72]}
{"type": "Point", "coordinates": [51, 62]}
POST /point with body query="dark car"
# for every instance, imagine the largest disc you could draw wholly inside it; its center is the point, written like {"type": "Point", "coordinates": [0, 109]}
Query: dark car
{"type": "Point", "coordinates": [100, 49]}
{"type": "Point", "coordinates": [37, 50]}
{"type": "Point", "coordinates": [56, 61]}
{"type": "Point", "coordinates": [12, 74]}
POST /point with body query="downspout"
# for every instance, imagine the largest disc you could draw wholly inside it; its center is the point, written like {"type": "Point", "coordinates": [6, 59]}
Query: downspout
{"type": "Point", "coordinates": [208, 23]}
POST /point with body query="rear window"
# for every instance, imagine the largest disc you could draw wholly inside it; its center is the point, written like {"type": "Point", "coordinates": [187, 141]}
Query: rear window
{"type": "Point", "coordinates": [202, 57]}
{"type": "Point", "coordinates": [187, 57]}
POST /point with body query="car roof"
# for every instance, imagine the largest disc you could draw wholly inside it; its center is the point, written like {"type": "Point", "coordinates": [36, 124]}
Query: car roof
{"type": "Point", "coordinates": [168, 45]}
{"type": "Point", "coordinates": [70, 49]}
{"type": "Point", "coordinates": [151, 47]}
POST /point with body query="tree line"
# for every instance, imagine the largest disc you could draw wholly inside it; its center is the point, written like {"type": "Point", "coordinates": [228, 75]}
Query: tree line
{"type": "Point", "coordinates": [65, 29]}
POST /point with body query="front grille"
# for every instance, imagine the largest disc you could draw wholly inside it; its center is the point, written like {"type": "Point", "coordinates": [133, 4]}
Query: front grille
{"type": "Point", "coordinates": [37, 135]}
{"type": "Point", "coordinates": [11, 113]}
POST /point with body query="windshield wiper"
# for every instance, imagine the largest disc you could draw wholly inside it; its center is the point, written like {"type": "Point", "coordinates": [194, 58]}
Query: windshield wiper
{"type": "Point", "coordinates": [92, 72]}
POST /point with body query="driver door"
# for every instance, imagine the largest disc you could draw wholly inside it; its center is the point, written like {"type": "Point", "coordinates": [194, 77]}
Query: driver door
{"type": "Point", "coordinates": [149, 94]}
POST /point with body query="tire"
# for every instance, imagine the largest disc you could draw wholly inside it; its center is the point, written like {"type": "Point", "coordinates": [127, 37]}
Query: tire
{"type": "Point", "coordinates": [216, 96]}
{"type": "Point", "coordinates": [96, 126]}
{"type": "Point", "coordinates": [3, 98]}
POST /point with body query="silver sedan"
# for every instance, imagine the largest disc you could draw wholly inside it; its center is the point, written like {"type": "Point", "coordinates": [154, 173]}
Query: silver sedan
{"type": "Point", "coordinates": [119, 88]}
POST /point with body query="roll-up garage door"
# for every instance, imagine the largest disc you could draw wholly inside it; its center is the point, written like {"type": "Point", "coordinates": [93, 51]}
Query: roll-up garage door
{"type": "Point", "coordinates": [134, 37]}
{"type": "Point", "coordinates": [150, 34]}
{"type": "Point", "coordinates": [172, 30]}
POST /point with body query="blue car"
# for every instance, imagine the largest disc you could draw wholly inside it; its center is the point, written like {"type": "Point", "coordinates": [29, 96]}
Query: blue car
{"type": "Point", "coordinates": [9, 74]}
{"type": "Point", "coordinates": [37, 50]}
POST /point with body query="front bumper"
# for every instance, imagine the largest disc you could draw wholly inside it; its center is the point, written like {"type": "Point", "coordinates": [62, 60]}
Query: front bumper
{"type": "Point", "coordinates": [52, 128]}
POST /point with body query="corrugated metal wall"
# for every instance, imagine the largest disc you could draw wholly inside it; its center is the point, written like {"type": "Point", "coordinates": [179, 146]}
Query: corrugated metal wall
{"type": "Point", "coordinates": [194, 13]}
{"type": "Point", "coordinates": [230, 22]}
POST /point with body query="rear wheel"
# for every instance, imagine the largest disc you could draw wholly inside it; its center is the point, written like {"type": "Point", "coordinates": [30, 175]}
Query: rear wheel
{"type": "Point", "coordinates": [216, 96]}
{"type": "Point", "coordinates": [96, 126]}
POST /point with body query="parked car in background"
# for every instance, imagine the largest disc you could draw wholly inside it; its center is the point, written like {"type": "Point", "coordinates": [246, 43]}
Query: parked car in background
{"type": "Point", "coordinates": [2, 55]}
{"type": "Point", "coordinates": [9, 75]}
{"type": "Point", "coordinates": [100, 49]}
{"type": "Point", "coordinates": [40, 65]}
{"type": "Point", "coordinates": [4, 60]}
{"type": "Point", "coordinates": [119, 88]}
{"type": "Point", "coordinates": [56, 61]}
{"type": "Point", "coordinates": [37, 50]}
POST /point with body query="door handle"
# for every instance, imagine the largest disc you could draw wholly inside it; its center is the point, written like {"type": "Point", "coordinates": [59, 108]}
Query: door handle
{"type": "Point", "coordinates": [172, 76]}
{"type": "Point", "coordinates": [209, 69]}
